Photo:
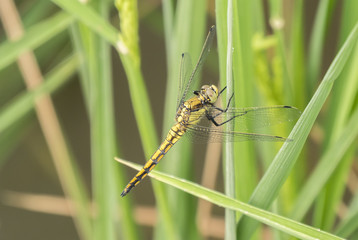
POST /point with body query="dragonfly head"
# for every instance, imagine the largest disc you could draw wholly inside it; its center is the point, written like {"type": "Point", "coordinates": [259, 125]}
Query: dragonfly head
{"type": "Point", "coordinates": [210, 93]}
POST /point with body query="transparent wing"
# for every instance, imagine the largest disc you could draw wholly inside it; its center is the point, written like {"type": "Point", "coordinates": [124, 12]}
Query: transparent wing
{"type": "Point", "coordinates": [201, 134]}
{"type": "Point", "coordinates": [248, 122]}
{"type": "Point", "coordinates": [186, 80]}
{"type": "Point", "coordinates": [186, 68]}
{"type": "Point", "coordinates": [253, 118]}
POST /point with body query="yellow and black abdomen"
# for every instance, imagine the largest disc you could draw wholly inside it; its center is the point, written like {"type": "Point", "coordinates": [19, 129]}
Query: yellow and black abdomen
{"type": "Point", "coordinates": [174, 134]}
{"type": "Point", "coordinates": [188, 114]}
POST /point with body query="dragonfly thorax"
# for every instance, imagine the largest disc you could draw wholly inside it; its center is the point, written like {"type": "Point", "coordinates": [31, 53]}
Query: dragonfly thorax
{"type": "Point", "coordinates": [209, 93]}
{"type": "Point", "coordinates": [192, 110]}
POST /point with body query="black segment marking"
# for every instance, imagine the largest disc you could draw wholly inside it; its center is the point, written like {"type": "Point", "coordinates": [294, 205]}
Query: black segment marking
{"type": "Point", "coordinates": [170, 142]}
{"type": "Point", "coordinates": [161, 152]}
{"type": "Point", "coordinates": [176, 132]}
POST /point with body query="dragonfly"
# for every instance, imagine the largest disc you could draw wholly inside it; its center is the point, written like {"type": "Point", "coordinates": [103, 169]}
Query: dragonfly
{"type": "Point", "coordinates": [194, 114]}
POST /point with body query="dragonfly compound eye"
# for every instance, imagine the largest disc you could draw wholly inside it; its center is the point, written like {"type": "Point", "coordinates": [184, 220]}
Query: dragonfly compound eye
{"type": "Point", "coordinates": [212, 93]}
{"type": "Point", "coordinates": [204, 87]}
{"type": "Point", "coordinates": [215, 89]}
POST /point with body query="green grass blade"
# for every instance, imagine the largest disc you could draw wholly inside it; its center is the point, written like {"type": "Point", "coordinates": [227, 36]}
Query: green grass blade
{"type": "Point", "coordinates": [130, 57]}
{"type": "Point", "coordinates": [341, 104]}
{"type": "Point", "coordinates": [349, 227]}
{"type": "Point", "coordinates": [181, 36]}
{"type": "Point", "coordinates": [350, 224]}
{"type": "Point", "coordinates": [103, 141]}
{"type": "Point", "coordinates": [270, 184]}
{"type": "Point", "coordinates": [184, 37]}
{"type": "Point", "coordinates": [37, 12]}
{"type": "Point", "coordinates": [80, 33]}
{"type": "Point", "coordinates": [24, 103]}
{"type": "Point", "coordinates": [324, 170]}
{"type": "Point", "coordinates": [243, 73]}
{"type": "Point", "coordinates": [12, 136]}
{"type": "Point", "coordinates": [145, 122]}
{"type": "Point", "coordinates": [224, 26]}
{"type": "Point", "coordinates": [168, 15]}
{"type": "Point", "coordinates": [317, 42]}
{"type": "Point", "coordinates": [89, 17]}
{"type": "Point", "coordinates": [242, 86]}
{"type": "Point", "coordinates": [277, 23]}
{"type": "Point", "coordinates": [229, 166]}
{"type": "Point", "coordinates": [102, 146]}
{"type": "Point", "coordinates": [297, 66]}
{"type": "Point", "coordinates": [131, 60]}
{"type": "Point", "coordinates": [284, 224]}
{"type": "Point", "coordinates": [35, 36]}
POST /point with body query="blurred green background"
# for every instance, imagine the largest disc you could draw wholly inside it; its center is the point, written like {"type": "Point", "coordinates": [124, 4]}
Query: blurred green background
{"type": "Point", "coordinates": [82, 82]}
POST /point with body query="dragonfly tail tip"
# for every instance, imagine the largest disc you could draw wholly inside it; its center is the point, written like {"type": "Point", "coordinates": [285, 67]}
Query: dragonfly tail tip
{"type": "Point", "coordinates": [124, 193]}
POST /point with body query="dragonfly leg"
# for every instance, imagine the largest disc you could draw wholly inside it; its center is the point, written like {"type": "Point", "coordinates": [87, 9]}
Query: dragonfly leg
{"type": "Point", "coordinates": [212, 118]}
{"type": "Point", "coordinates": [222, 110]}
{"type": "Point", "coordinates": [221, 91]}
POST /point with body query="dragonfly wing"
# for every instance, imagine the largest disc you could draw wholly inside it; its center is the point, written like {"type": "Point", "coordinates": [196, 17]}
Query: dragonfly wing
{"type": "Point", "coordinates": [186, 68]}
{"type": "Point", "coordinates": [186, 81]}
{"type": "Point", "coordinates": [254, 118]}
{"type": "Point", "coordinates": [201, 134]}
{"type": "Point", "coordinates": [247, 121]}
